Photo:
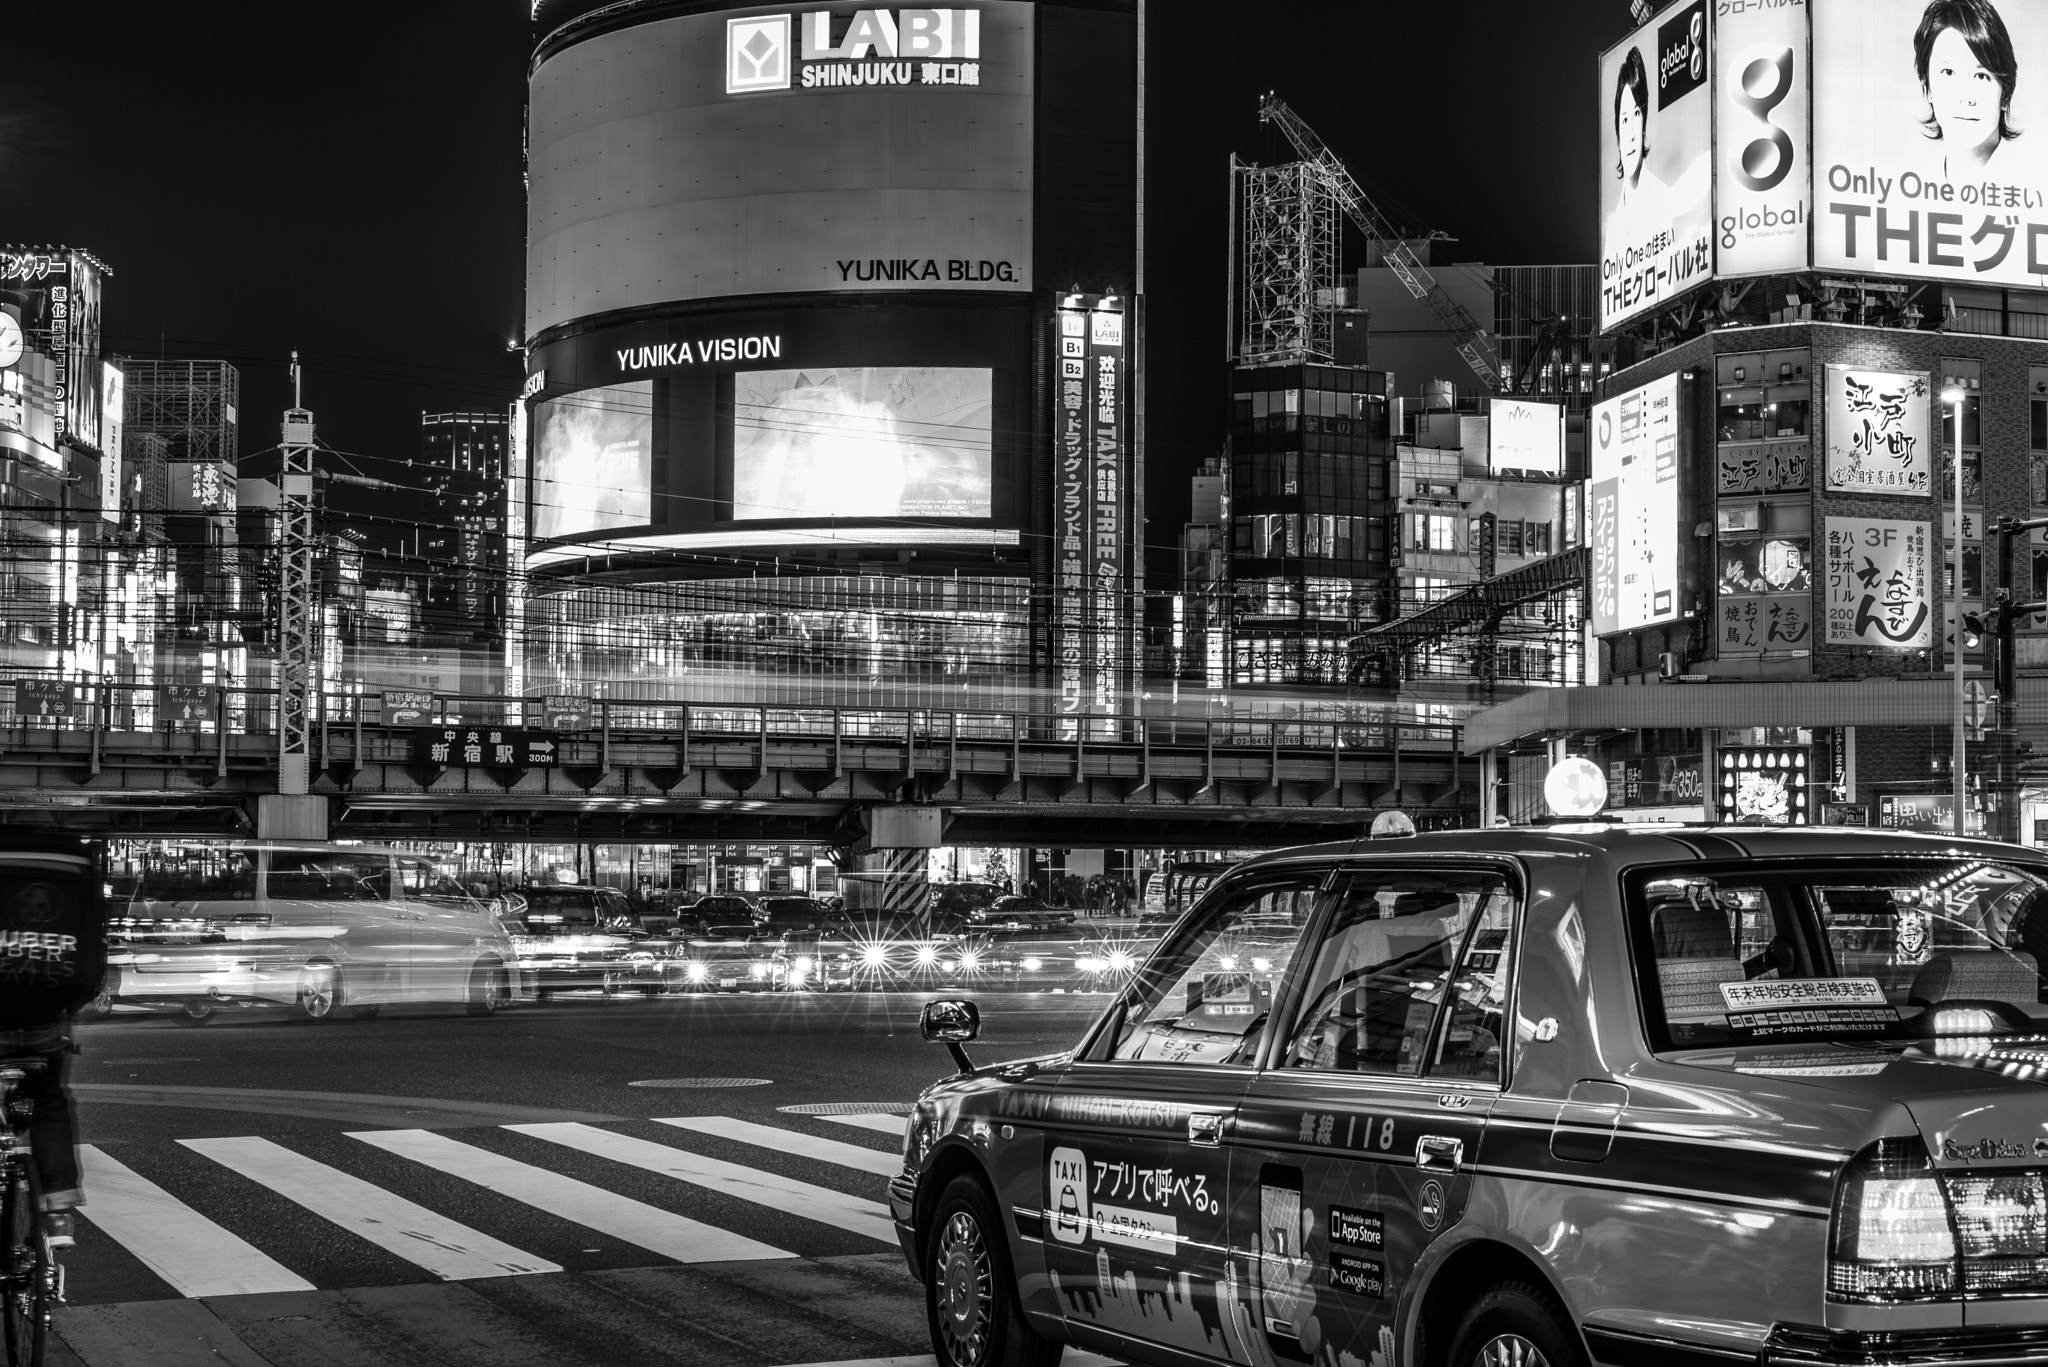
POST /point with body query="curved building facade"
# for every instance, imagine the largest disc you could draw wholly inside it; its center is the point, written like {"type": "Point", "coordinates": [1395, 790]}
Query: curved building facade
{"type": "Point", "coordinates": [802, 289]}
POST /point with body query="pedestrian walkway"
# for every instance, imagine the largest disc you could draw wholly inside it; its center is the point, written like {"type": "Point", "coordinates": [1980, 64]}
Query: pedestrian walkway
{"type": "Point", "coordinates": [500, 1201]}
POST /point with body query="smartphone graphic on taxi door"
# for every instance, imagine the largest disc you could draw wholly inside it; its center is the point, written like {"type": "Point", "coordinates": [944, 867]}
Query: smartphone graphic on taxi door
{"type": "Point", "coordinates": [1283, 1265]}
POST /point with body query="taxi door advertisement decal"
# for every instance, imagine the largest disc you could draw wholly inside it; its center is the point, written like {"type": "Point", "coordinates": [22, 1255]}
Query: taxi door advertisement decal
{"type": "Point", "coordinates": [1134, 1242]}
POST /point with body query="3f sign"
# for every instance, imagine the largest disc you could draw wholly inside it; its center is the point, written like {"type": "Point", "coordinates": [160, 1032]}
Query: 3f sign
{"type": "Point", "coordinates": [1877, 538]}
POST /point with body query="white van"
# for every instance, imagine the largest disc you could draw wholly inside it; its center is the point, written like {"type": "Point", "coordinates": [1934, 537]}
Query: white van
{"type": "Point", "coordinates": [322, 929]}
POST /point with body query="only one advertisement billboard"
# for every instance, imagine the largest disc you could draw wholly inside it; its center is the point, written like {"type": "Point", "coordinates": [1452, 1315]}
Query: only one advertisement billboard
{"type": "Point", "coordinates": [1633, 508]}
{"type": "Point", "coordinates": [1763, 181]}
{"type": "Point", "coordinates": [865, 441]}
{"type": "Point", "coordinates": [1930, 139]}
{"type": "Point", "coordinates": [1656, 136]}
{"type": "Point", "coordinates": [593, 460]}
{"type": "Point", "coordinates": [751, 152]}
{"type": "Point", "coordinates": [1523, 434]}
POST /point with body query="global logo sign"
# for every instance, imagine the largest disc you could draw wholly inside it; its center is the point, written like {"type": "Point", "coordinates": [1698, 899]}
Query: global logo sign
{"type": "Point", "coordinates": [757, 54]}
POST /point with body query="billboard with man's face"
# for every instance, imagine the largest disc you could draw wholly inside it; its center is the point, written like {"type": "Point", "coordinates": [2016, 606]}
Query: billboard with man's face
{"type": "Point", "coordinates": [1930, 139]}
{"type": "Point", "coordinates": [1656, 112]}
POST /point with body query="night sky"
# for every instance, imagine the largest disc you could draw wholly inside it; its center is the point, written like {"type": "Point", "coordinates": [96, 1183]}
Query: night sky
{"type": "Point", "coordinates": [345, 179]}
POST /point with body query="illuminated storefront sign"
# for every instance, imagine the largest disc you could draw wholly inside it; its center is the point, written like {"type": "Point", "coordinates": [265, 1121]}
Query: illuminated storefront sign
{"type": "Point", "coordinates": [1632, 506]}
{"type": "Point", "coordinates": [1879, 583]}
{"type": "Point", "coordinates": [1656, 219]}
{"type": "Point", "coordinates": [111, 391]}
{"type": "Point", "coordinates": [704, 351]}
{"type": "Point", "coordinates": [869, 47]}
{"type": "Point", "coordinates": [1107, 570]}
{"type": "Point", "coordinates": [1879, 437]}
{"type": "Point", "coordinates": [201, 487]}
{"type": "Point", "coordinates": [1763, 785]}
{"type": "Point", "coordinates": [1070, 512]}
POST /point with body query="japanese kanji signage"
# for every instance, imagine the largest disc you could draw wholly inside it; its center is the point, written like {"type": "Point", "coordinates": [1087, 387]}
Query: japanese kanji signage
{"type": "Point", "coordinates": [1766, 467]}
{"type": "Point", "coordinates": [1633, 508]}
{"type": "Point", "coordinates": [51, 698]}
{"type": "Point", "coordinates": [1879, 583]}
{"type": "Point", "coordinates": [565, 712]}
{"type": "Point", "coordinates": [1756, 623]}
{"type": "Point", "coordinates": [499, 747]}
{"type": "Point", "coordinates": [1877, 433]}
{"type": "Point", "coordinates": [1070, 512]}
{"type": "Point", "coordinates": [1107, 570]}
{"type": "Point", "coordinates": [187, 704]}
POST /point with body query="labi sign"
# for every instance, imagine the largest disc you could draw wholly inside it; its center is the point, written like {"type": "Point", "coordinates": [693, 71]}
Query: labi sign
{"type": "Point", "coordinates": [871, 47]}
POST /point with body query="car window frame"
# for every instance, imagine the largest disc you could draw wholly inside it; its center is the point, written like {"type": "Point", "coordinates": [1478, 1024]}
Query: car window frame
{"type": "Point", "coordinates": [1651, 1026]}
{"type": "Point", "coordinates": [1517, 874]}
{"type": "Point", "coordinates": [1090, 1051]}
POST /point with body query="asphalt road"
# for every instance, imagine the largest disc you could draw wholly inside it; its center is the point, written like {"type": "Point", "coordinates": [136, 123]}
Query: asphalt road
{"type": "Point", "coordinates": [431, 1188]}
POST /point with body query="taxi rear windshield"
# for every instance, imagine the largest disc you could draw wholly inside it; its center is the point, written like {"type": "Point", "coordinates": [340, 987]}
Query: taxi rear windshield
{"type": "Point", "coordinates": [546, 909]}
{"type": "Point", "coordinates": [1911, 949]}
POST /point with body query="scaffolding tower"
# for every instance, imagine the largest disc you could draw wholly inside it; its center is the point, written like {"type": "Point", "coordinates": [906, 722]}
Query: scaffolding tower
{"type": "Point", "coordinates": [192, 405]}
{"type": "Point", "coordinates": [1289, 262]}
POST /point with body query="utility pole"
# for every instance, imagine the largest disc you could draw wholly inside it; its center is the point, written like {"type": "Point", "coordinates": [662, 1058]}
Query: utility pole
{"type": "Point", "coordinates": [2012, 534]}
{"type": "Point", "coordinates": [297, 633]}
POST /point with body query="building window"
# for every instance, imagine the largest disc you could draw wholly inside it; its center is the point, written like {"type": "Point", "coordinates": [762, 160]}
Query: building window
{"type": "Point", "coordinates": [1432, 532]}
{"type": "Point", "coordinates": [1536, 538]}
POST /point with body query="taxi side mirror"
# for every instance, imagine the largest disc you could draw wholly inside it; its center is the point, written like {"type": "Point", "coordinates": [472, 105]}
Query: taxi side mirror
{"type": "Point", "coordinates": [951, 1023]}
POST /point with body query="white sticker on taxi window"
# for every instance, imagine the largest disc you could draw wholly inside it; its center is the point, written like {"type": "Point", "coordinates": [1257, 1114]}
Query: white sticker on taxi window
{"type": "Point", "coordinates": [1798, 994]}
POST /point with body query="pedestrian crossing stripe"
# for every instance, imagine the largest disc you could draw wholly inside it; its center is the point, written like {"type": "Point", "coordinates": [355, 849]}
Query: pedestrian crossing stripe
{"type": "Point", "coordinates": [190, 1252]}
{"type": "Point", "coordinates": [635, 1222]}
{"type": "Point", "coordinates": [791, 1142]}
{"type": "Point", "coordinates": [198, 1258]}
{"type": "Point", "coordinates": [443, 1247]}
{"type": "Point", "coordinates": [850, 1213]}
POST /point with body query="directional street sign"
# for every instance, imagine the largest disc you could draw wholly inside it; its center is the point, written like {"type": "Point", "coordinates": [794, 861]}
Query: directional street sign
{"type": "Point", "coordinates": [407, 709]}
{"type": "Point", "coordinates": [494, 747]}
{"type": "Point", "coordinates": [187, 704]}
{"type": "Point", "coordinates": [51, 698]}
{"type": "Point", "coordinates": [565, 712]}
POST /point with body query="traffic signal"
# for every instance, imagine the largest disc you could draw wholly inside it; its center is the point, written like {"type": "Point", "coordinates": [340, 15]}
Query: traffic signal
{"type": "Point", "coordinates": [1974, 631]}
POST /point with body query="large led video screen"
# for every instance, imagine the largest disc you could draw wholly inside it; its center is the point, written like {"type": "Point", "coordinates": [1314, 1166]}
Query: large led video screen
{"type": "Point", "coordinates": [1632, 508]}
{"type": "Point", "coordinates": [1656, 115]}
{"type": "Point", "coordinates": [593, 460]}
{"type": "Point", "coordinates": [866, 441]}
{"type": "Point", "coordinates": [737, 152]}
{"type": "Point", "coordinates": [1930, 127]}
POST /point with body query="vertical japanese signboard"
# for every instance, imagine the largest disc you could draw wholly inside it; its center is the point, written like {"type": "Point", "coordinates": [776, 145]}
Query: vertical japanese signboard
{"type": "Point", "coordinates": [1877, 433]}
{"type": "Point", "coordinates": [111, 396]}
{"type": "Point", "coordinates": [1633, 508]}
{"type": "Point", "coordinates": [1764, 177]}
{"type": "Point", "coordinates": [1879, 583]}
{"type": "Point", "coordinates": [1106, 551]}
{"type": "Point", "coordinates": [1070, 514]}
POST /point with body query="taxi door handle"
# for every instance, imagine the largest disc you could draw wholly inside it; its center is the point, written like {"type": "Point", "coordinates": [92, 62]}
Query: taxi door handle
{"type": "Point", "coordinates": [1439, 1153]}
{"type": "Point", "coordinates": [1205, 1128]}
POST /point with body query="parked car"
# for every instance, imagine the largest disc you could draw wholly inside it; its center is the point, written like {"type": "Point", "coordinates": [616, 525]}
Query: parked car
{"type": "Point", "coordinates": [323, 930]}
{"type": "Point", "coordinates": [781, 915]}
{"type": "Point", "coordinates": [1584, 1094]}
{"type": "Point", "coordinates": [579, 937]}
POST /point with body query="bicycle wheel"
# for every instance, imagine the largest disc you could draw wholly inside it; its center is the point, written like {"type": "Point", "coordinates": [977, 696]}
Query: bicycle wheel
{"type": "Point", "coordinates": [26, 1285]}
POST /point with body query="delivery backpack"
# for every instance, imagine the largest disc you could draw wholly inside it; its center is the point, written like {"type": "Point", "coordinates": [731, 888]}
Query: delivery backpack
{"type": "Point", "coordinates": [53, 931]}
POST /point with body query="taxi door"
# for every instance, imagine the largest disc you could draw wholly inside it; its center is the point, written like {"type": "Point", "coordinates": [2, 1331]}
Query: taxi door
{"type": "Point", "coordinates": [1354, 1148]}
{"type": "Point", "coordinates": [1136, 1172]}
{"type": "Point", "coordinates": [443, 925]}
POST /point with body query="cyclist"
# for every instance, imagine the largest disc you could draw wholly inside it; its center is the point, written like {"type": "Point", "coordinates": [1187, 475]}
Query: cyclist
{"type": "Point", "coordinates": [53, 954]}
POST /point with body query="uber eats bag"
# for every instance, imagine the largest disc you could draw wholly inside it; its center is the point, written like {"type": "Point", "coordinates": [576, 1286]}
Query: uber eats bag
{"type": "Point", "coordinates": [53, 936]}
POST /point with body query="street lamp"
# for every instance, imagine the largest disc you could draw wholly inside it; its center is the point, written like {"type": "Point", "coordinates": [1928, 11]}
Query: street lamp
{"type": "Point", "coordinates": [1952, 394]}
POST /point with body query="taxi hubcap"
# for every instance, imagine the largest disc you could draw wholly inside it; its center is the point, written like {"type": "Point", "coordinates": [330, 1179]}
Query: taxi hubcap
{"type": "Point", "coordinates": [1510, 1350]}
{"type": "Point", "coordinates": [963, 1289]}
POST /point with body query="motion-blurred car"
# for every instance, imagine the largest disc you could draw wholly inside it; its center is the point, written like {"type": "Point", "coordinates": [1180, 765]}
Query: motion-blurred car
{"type": "Point", "coordinates": [321, 929]}
{"type": "Point", "coordinates": [576, 937]}
{"type": "Point", "coordinates": [1021, 913]}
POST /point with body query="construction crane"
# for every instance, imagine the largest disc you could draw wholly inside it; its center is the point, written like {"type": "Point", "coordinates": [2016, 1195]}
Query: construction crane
{"type": "Point", "coordinates": [1453, 318]}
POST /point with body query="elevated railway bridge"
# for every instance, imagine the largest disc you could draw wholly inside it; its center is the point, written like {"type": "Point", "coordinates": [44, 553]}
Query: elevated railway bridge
{"type": "Point", "coordinates": [123, 760]}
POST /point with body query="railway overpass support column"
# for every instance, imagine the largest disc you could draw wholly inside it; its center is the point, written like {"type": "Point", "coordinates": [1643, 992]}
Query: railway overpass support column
{"type": "Point", "coordinates": [893, 878]}
{"type": "Point", "coordinates": [281, 816]}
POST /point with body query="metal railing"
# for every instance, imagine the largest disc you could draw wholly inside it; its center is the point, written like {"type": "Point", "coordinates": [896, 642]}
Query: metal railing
{"type": "Point", "coordinates": [113, 707]}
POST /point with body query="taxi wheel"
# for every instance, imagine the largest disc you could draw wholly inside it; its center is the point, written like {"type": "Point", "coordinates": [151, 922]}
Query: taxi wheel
{"type": "Point", "coordinates": [193, 1011]}
{"type": "Point", "coordinates": [1514, 1324]}
{"type": "Point", "coordinates": [970, 1294]}
{"type": "Point", "coordinates": [319, 992]}
{"type": "Point", "coordinates": [102, 1006]}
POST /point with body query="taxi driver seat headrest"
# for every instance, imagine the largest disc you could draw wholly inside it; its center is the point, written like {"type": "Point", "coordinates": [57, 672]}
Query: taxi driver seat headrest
{"type": "Point", "coordinates": [1680, 930]}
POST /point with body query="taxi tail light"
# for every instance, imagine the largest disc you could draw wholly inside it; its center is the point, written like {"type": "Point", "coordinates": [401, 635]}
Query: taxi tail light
{"type": "Point", "coordinates": [2002, 1224]}
{"type": "Point", "coordinates": [1892, 1238]}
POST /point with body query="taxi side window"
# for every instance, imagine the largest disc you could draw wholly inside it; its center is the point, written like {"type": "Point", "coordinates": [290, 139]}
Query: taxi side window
{"type": "Point", "coordinates": [1409, 957]}
{"type": "Point", "coordinates": [306, 877]}
{"type": "Point", "coordinates": [1206, 996]}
